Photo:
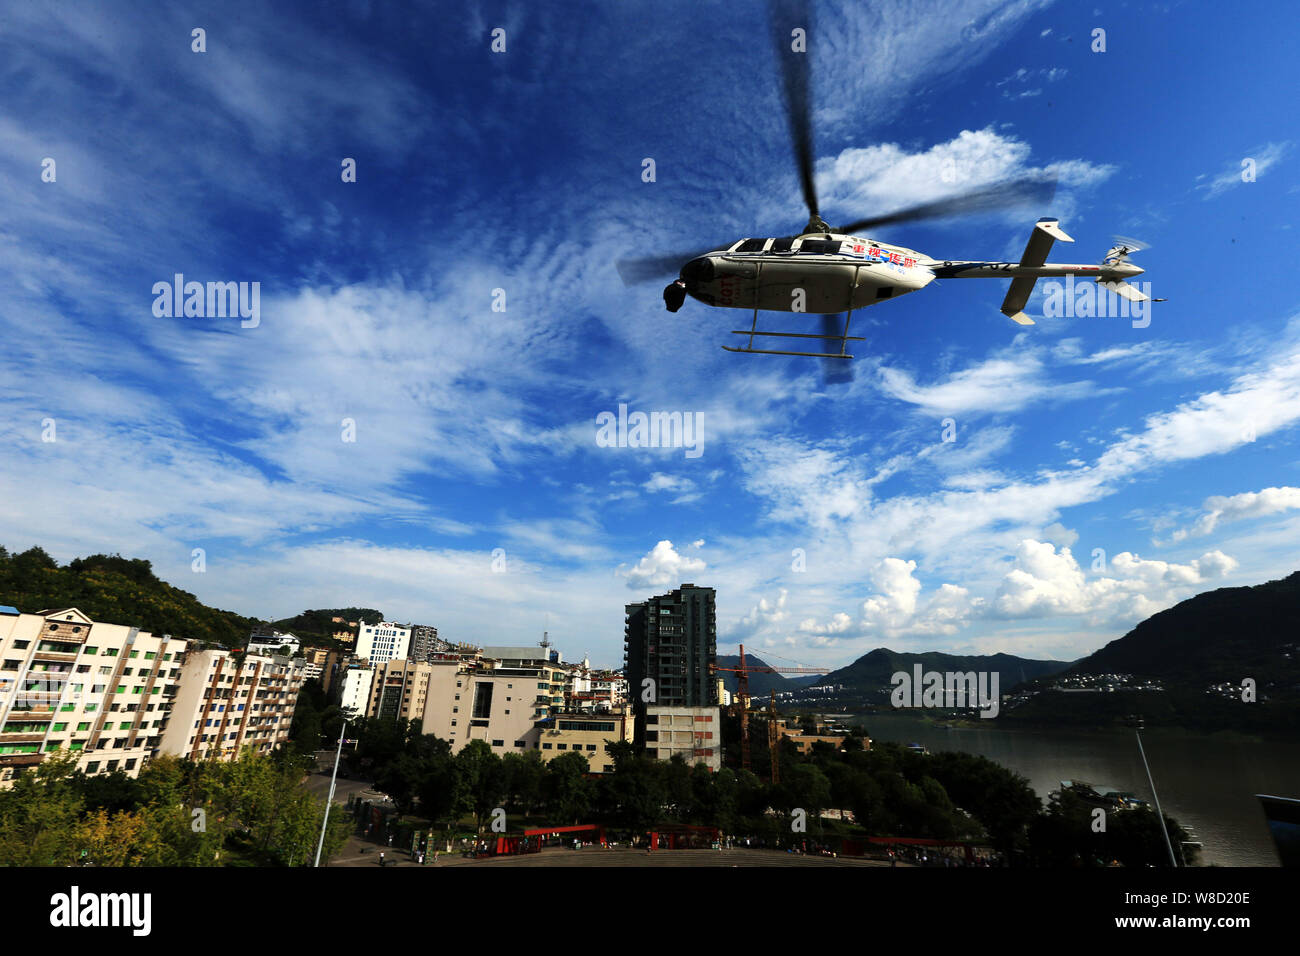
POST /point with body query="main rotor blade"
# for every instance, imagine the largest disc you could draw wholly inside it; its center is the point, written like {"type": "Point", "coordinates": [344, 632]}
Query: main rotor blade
{"type": "Point", "coordinates": [998, 196]}
{"type": "Point", "coordinates": [636, 271]}
{"type": "Point", "coordinates": [796, 87]}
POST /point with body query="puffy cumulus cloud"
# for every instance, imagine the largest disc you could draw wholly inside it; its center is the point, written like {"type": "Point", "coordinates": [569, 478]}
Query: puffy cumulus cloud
{"type": "Point", "coordinates": [896, 602]}
{"type": "Point", "coordinates": [662, 566]}
{"type": "Point", "coordinates": [761, 616]}
{"type": "Point", "coordinates": [1250, 504]}
{"type": "Point", "coordinates": [1046, 582]}
{"type": "Point", "coordinates": [896, 608]}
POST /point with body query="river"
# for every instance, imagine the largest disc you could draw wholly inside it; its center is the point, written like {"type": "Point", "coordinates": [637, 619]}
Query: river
{"type": "Point", "coordinates": [1207, 784]}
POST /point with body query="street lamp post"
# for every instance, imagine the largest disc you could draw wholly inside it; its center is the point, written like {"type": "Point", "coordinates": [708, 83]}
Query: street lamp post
{"type": "Point", "coordinates": [329, 801]}
{"type": "Point", "coordinates": [1160, 813]}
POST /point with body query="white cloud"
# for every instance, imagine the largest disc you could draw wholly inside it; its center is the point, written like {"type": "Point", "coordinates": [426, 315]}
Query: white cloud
{"type": "Point", "coordinates": [1046, 582]}
{"type": "Point", "coordinates": [662, 482]}
{"type": "Point", "coordinates": [1265, 157]}
{"type": "Point", "coordinates": [999, 384]}
{"type": "Point", "coordinates": [662, 566]}
{"type": "Point", "coordinates": [895, 609]}
{"type": "Point", "coordinates": [887, 177]}
{"type": "Point", "coordinates": [761, 616]}
{"type": "Point", "coordinates": [1250, 504]}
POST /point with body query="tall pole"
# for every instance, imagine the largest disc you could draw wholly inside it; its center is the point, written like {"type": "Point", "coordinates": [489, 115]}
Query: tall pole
{"type": "Point", "coordinates": [1160, 813]}
{"type": "Point", "coordinates": [330, 799]}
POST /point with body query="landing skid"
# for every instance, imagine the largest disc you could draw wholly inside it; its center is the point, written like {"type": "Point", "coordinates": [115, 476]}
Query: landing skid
{"type": "Point", "coordinates": [844, 338]}
{"type": "Point", "coordinates": [795, 335]}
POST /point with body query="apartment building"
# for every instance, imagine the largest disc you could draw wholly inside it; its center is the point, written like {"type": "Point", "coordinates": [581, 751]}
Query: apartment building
{"type": "Point", "coordinates": [480, 699]}
{"type": "Point", "coordinates": [383, 642]}
{"type": "Point", "coordinates": [99, 690]}
{"type": "Point", "coordinates": [587, 734]}
{"type": "Point", "coordinates": [670, 651]}
{"type": "Point", "coordinates": [400, 690]}
{"type": "Point", "coordinates": [693, 732]}
{"type": "Point", "coordinates": [316, 661]}
{"type": "Point", "coordinates": [354, 688]}
{"type": "Point", "coordinates": [227, 701]}
{"type": "Point", "coordinates": [541, 662]}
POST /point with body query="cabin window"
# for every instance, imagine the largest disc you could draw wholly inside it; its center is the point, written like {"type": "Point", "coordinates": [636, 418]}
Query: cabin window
{"type": "Point", "coordinates": [782, 245]}
{"type": "Point", "coordinates": [752, 245]}
{"type": "Point", "coordinates": [819, 247]}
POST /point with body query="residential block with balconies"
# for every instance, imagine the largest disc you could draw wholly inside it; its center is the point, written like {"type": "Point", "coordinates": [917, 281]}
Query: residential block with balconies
{"type": "Point", "coordinates": [101, 691]}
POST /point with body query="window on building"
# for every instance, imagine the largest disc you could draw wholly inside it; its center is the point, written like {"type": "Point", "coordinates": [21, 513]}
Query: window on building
{"type": "Point", "coordinates": [482, 701]}
{"type": "Point", "coordinates": [520, 743]}
{"type": "Point", "coordinates": [92, 766]}
{"type": "Point", "coordinates": [546, 746]}
{"type": "Point", "coordinates": [90, 650]}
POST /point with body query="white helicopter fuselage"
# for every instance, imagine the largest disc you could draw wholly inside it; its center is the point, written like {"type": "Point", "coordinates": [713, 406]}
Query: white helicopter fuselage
{"type": "Point", "coordinates": [817, 274]}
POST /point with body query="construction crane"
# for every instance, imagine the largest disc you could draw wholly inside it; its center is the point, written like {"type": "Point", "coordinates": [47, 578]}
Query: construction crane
{"type": "Point", "coordinates": [742, 697]}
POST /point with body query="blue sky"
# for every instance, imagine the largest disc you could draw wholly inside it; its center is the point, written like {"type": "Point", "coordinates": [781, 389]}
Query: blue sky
{"type": "Point", "coordinates": [1171, 448]}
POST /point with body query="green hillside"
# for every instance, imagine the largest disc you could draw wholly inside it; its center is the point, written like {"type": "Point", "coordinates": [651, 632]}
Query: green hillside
{"type": "Point", "coordinates": [872, 671]}
{"type": "Point", "coordinates": [117, 590]}
{"type": "Point", "coordinates": [317, 626]}
{"type": "Point", "coordinates": [1217, 636]}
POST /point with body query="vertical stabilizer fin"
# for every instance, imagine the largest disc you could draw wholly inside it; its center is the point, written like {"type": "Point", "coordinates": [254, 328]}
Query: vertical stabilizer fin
{"type": "Point", "coordinates": [1046, 231]}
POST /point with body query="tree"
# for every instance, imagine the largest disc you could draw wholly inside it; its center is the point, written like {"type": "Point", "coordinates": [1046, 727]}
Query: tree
{"type": "Point", "coordinates": [441, 791]}
{"type": "Point", "coordinates": [401, 780]}
{"type": "Point", "coordinates": [524, 775]}
{"type": "Point", "coordinates": [568, 792]}
{"type": "Point", "coordinates": [678, 792]}
{"type": "Point", "coordinates": [38, 815]}
{"type": "Point", "coordinates": [715, 796]}
{"type": "Point", "coordinates": [480, 770]}
{"type": "Point", "coordinates": [632, 795]}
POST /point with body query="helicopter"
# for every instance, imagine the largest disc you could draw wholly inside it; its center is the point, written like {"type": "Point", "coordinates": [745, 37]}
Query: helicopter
{"type": "Point", "coordinates": [839, 270]}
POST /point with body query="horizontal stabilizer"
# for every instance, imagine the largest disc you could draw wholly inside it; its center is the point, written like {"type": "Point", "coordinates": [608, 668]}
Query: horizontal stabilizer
{"type": "Point", "coordinates": [1124, 290]}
